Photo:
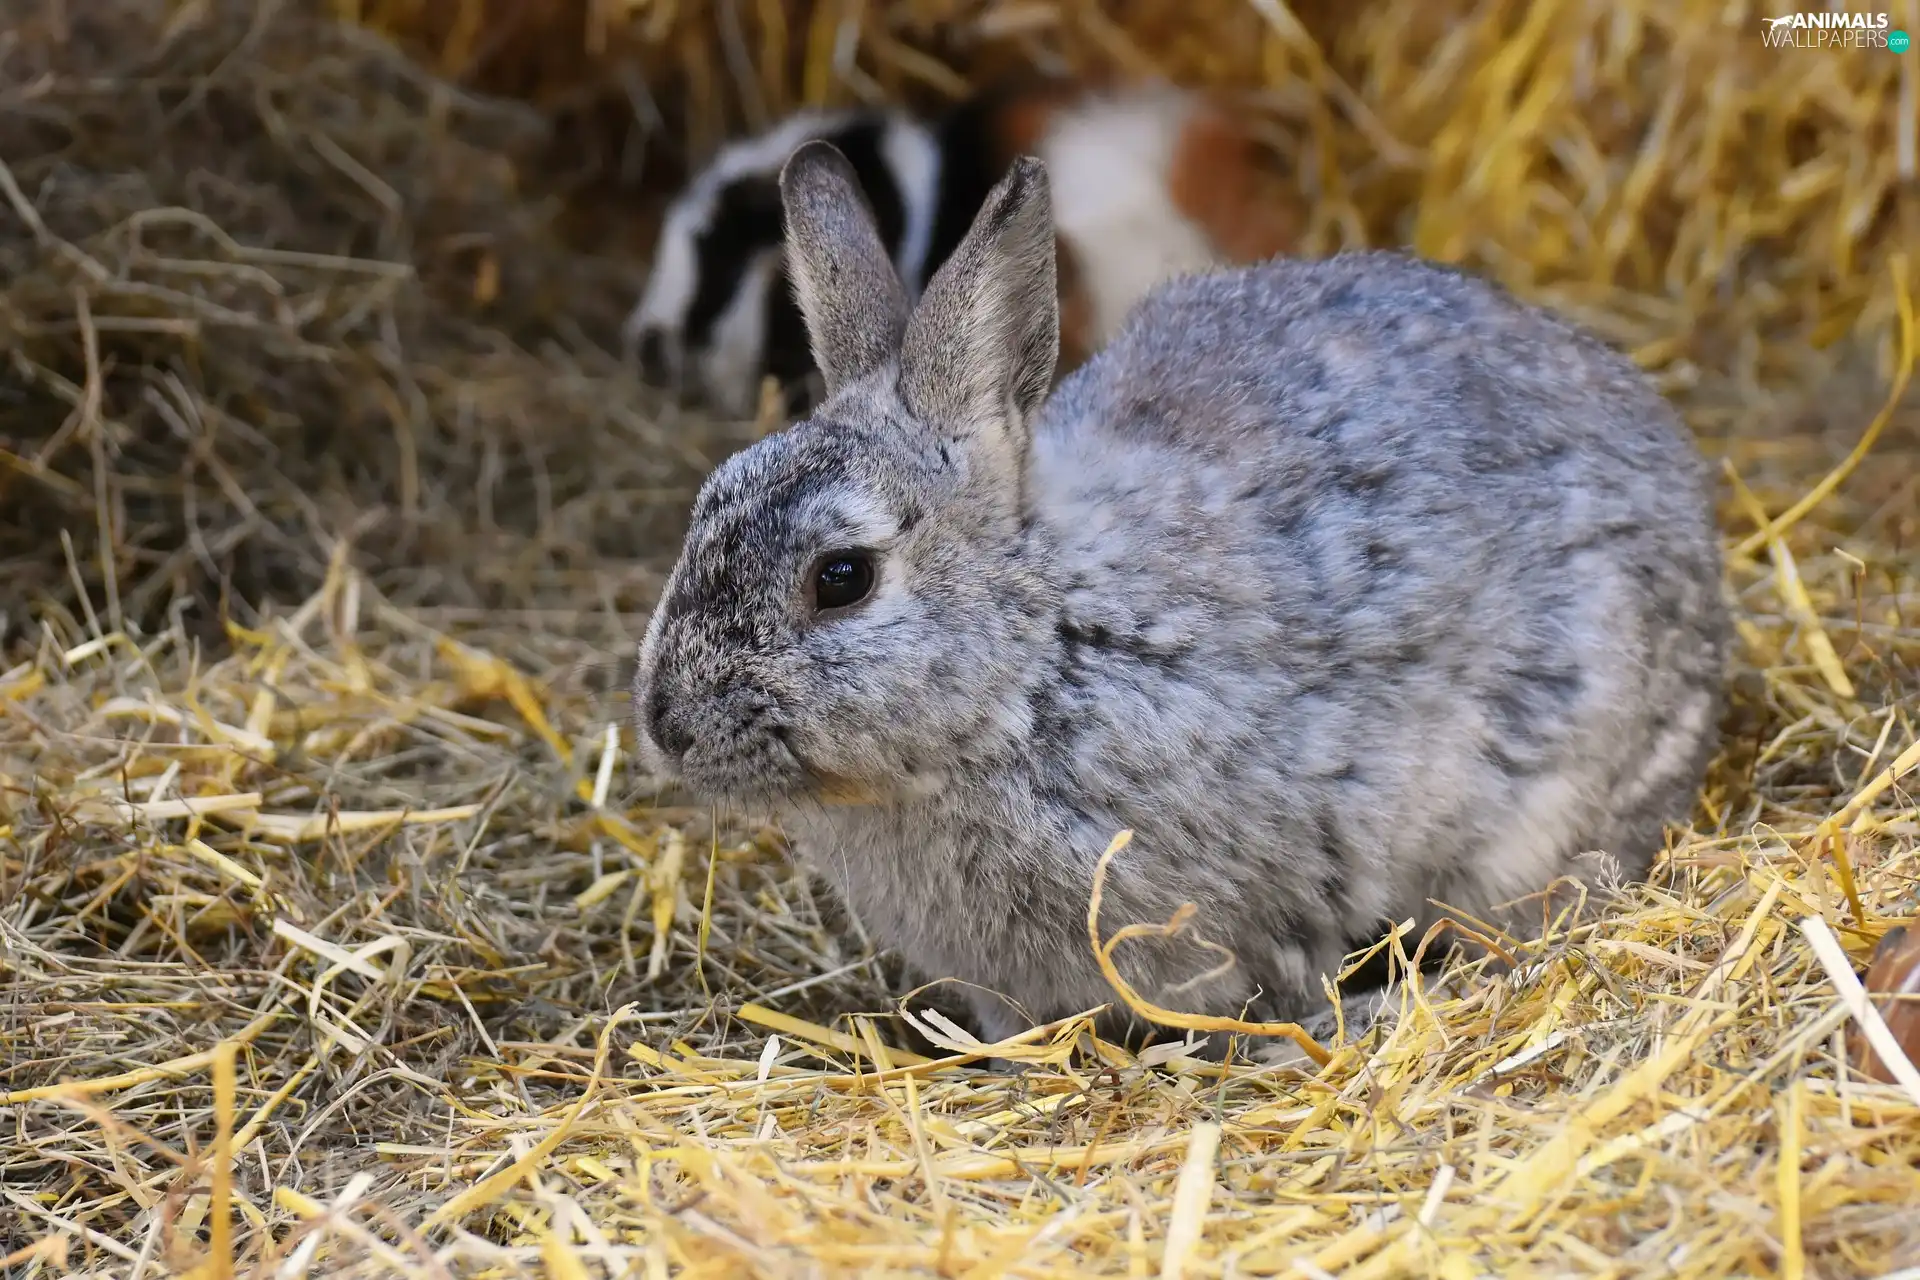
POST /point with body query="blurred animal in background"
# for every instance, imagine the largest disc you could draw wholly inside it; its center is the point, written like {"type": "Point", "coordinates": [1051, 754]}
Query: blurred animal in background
{"type": "Point", "coordinates": [1149, 183]}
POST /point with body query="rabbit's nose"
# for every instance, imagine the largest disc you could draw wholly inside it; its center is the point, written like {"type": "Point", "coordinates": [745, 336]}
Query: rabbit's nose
{"type": "Point", "coordinates": [667, 729]}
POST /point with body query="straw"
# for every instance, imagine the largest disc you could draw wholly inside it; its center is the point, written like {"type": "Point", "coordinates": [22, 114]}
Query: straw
{"type": "Point", "coordinates": [329, 518]}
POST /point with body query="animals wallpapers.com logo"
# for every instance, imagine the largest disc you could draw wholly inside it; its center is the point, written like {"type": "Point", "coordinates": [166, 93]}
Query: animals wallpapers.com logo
{"type": "Point", "coordinates": [1833, 31]}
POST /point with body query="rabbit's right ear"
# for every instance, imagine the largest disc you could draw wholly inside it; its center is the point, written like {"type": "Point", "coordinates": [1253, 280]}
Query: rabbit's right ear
{"type": "Point", "coordinates": [843, 279]}
{"type": "Point", "coordinates": [979, 353]}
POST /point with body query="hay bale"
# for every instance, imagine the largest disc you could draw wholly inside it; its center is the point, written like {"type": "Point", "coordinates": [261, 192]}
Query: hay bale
{"type": "Point", "coordinates": [341, 937]}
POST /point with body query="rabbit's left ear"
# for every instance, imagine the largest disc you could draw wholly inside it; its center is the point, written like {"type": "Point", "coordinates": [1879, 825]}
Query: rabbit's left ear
{"type": "Point", "coordinates": [843, 279]}
{"type": "Point", "coordinates": [979, 353]}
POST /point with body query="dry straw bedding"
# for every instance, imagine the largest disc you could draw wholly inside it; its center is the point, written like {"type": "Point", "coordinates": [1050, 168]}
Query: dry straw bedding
{"type": "Point", "coordinates": [337, 936]}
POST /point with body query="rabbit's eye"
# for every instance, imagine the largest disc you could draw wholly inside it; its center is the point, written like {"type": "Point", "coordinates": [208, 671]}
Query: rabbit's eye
{"type": "Point", "coordinates": [842, 579]}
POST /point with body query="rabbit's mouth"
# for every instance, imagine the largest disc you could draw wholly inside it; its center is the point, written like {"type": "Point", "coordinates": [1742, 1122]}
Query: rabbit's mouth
{"type": "Point", "coordinates": [763, 768]}
{"type": "Point", "coordinates": [754, 769]}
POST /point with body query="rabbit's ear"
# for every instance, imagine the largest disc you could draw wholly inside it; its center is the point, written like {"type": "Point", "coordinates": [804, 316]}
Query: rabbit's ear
{"type": "Point", "coordinates": [847, 289]}
{"type": "Point", "coordinates": [979, 352]}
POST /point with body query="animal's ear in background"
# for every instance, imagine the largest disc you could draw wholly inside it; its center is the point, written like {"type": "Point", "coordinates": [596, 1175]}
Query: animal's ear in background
{"type": "Point", "coordinates": [843, 277]}
{"type": "Point", "coordinates": [980, 350]}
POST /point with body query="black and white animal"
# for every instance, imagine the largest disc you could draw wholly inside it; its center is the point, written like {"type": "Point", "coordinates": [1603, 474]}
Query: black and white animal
{"type": "Point", "coordinates": [1150, 182]}
{"type": "Point", "coordinates": [1347, 585]}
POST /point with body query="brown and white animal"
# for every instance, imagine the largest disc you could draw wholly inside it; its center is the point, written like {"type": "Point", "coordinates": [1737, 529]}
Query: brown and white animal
{"type": "Point", "coordinates": [1149, 183]}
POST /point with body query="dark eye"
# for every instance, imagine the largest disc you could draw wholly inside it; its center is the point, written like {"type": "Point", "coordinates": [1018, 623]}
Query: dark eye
{"type": "Point", "coordinates": [842, 579]}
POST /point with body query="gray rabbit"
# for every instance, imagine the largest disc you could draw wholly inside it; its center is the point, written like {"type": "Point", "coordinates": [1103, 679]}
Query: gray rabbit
{"type": "Point", "coordinates": [1347, 585]}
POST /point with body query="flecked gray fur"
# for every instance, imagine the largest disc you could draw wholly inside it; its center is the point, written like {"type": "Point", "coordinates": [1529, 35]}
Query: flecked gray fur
{"type": "Point", "coordinates": [1345, 584]}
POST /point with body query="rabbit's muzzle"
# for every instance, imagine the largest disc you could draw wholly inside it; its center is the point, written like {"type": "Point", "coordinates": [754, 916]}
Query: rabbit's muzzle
{"type": "Point", "coordinates": [728, 741]}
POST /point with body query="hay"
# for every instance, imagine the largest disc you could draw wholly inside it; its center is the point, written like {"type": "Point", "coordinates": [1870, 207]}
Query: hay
{"type": "Point", "coordinates": [267, 286]}
{"type": "Point", "coordinates": [335, 928]}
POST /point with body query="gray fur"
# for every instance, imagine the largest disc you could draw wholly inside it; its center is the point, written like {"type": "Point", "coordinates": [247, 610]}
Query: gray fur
{"type": "Point", "coordinates": [1345, 584]}
{"type": "Point", "coordinates": [843, 278]}
{"type": "Point", "coordinates": [979, 351]}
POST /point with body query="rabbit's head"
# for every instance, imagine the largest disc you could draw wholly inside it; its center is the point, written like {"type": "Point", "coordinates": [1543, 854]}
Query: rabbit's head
{"type": "Point", "coordinates": [854, 613]}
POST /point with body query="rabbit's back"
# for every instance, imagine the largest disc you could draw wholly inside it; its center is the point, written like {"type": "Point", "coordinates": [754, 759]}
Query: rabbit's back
{"type": "Point", "coordinates": [1382, 584]}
